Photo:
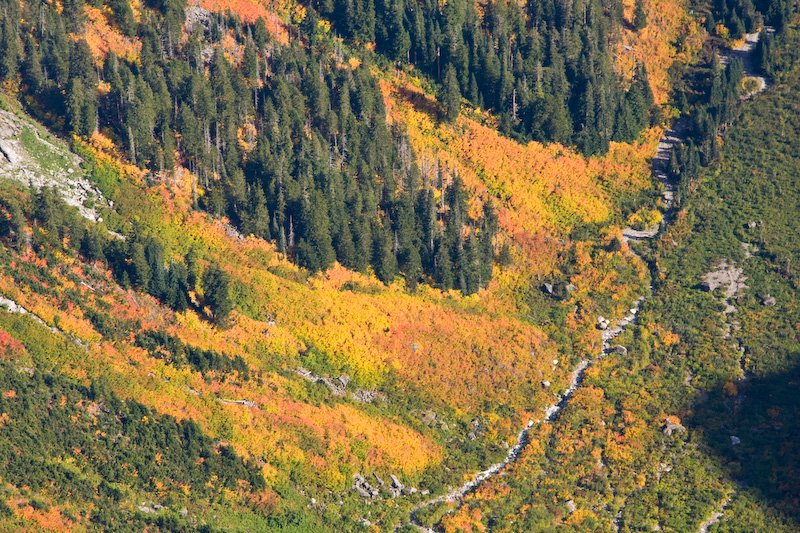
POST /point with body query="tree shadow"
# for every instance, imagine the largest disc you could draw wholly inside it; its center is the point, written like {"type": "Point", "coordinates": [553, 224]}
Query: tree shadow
{"type": "Point", "coordinates": [421, 102]}
{"type": "Point", "coordinates": [754, 433]}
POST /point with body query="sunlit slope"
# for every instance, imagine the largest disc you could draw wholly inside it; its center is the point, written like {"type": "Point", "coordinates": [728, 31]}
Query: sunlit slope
{"type": "Point", "coordinates": [539, 189]}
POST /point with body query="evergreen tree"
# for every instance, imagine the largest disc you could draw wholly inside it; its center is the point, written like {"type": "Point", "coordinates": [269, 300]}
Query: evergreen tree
{"type": "Point", "coordinates": [217, 293]}
{"type": "Point", "coordinates": [178, 287]}
{"type": "Point", "coordinates": [451, 96]}
{"type": "Point", "coordinates": [9, 48]}
{"type": "Point", "coordinates": [444, 266]}
{"type": "Point", "coordinates": [140, 268]}
{"type": "Point", "coordinates": [639, 15]}
{"type": "Point", "coordinates": [257, 221]}
{"type": "Point", "coordinates": [123, 16]}
{"type": "Point", "coordinates": [93, 243]}
{"type": "Point", "coordinates": [384, 260]}
{"type": "Point", "coordinates": [32, 66]}
{"type": "Point", "coordinates": [158, 274]}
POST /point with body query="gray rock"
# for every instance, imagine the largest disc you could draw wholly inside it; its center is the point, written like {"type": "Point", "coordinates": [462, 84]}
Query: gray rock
{"type": "Point", "coordinates": [735, 440]}
{"type": "Point", "coordinates": [545, 383]}
{"type": "Point", "coordinates": [571, 288]}
{"type": "Point", "coordinates": [378, 479]}
{"type": "Point", "coordinates": [183, 512]}
{"type": "Point", "coordinates": [344, 379]}
{"type": "Point", "coordinates": [769, 301]}
{"type": "Point", "coordinates": [364, 494]}
{"type": "Point", "coordinates": [429, 417]}
{"type": "Point", "coordinates": [752, 224]}
{"type": "Point", "coordinates": [620, 349]}
{"type": "Point", "coordinates": [670, 427]}
{"type": "Point", "coordinates": [548, 288]}
{"type": "Point", "coordinates": [396, 482]}
{"type": "Point", "coordinates": [571, 505]}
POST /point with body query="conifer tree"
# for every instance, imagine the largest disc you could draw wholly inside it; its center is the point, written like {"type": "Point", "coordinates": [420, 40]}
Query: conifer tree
{"type": "Point", "coordinates": [158, 274]}
{"type": "Point", "coordinates": [32, 66]}
{"type": "Point", "coordinates": [9, 48]}
{"type": "Point", "coordinates": [216, 291]}
{"type": "Point", "coordinates": [93, 243]}
{"type": "Point", "coordinates": [140, 268]}
{"type": "Point", "coordinates": [639, 15]}
{"type": "Point", "coordinates": [444, 265]}
{"type": "Point", "coordinates": [451, 97]}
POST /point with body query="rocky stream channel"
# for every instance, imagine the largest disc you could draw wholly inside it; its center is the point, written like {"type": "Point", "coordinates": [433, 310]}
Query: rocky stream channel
{"type": "Point", "coordinates": [612, 328]}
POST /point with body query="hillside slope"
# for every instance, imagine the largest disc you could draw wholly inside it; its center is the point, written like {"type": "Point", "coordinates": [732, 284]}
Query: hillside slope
{"type": "Point", "coordinates": [293, 273]}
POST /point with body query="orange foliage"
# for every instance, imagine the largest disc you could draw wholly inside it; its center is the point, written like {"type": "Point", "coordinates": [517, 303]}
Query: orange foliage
{"type": "Point", "coordinates": [103, 38]}
{"type": "Point", "coordinates": [535, 187]}
{"type": "Point", "coordinates": [10, 348]}
{"type": "Point", "coordinates": [250, 10]}
{"type": "Point", "coordinates": [466, 519]}
{"type": "Point", "coordinates": [668, 22]}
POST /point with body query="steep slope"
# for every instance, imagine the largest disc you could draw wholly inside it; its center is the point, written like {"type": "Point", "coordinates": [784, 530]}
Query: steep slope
{"type": "Point", "coordinates": [298, 379]}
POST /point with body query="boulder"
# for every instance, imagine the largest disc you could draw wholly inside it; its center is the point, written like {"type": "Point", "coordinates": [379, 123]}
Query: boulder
{"type": "Point", "coordinates": [344, 379]}
{"type": "Point", "coordinates": [548, 288]}
{"type": "Point", "coordinates": [572, 506]}
{"type": "Point", "coordinates": [670, 427]}
{"type": "Point", "coordinates": [735, 440]}
{"type": "Point", "coordinates": [752, 224]}
{"type": "Point", "coordinates": [545, 383]}
{"type": "Point", "coordinates": [396, 482]}
{"type": "Point", "coordinates": [571, 288]}
{"type": "Point", "coordinates": [769, 301]}
{"type": "Point", "coordinates": [620, 349]}
{"type": "Point", "coordinates": [429, 417]}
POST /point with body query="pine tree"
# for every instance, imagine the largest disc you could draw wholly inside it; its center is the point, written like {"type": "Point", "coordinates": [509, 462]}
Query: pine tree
{"type": "Point", "coordinates": [257, 219]}
{"type": "Point", "coordinates": [398, 35]}
{"type": "Point", "coordinates": [639, 15]}
{"type": "Point", "coordinates": [383, 259]}
{"type": "Point", "coordinates": [158, 274]}
{"type": "Point", "coordinates": [451, 96]}
{"type": "Point", "coordinates": [123, 16]}
{"type": "Point", "coordinates": [140, 268]}
{"type": "Point", "coordinates": [9, 48]}
{"type": "Point", "coordinates": [191, 259]}
{"type": "Point", "coordinates": [93, 244]}
{"type": "Point", "coordinates": [216, 291]}
{"type": "Point", "coordinates": [32, 66]}
{"type": "Point", "coordinates": [444, 266]}
{"type": "Point", "coordinates": [177, 287]}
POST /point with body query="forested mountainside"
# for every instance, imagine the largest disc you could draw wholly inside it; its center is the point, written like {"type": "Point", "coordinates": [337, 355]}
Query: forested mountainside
{"type": "Point", "coordinates": [360, 266]}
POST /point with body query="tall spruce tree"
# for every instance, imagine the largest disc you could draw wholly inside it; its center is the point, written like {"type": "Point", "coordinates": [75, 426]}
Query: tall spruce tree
{"type": "Point", "coordinates": [216, 290]}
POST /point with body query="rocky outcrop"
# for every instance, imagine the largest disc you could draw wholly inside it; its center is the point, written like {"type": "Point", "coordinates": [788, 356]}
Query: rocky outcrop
{"type": "Point", "coordinates": [338, 386]}
{"type": "Point", "coordinates": [30, 159]}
